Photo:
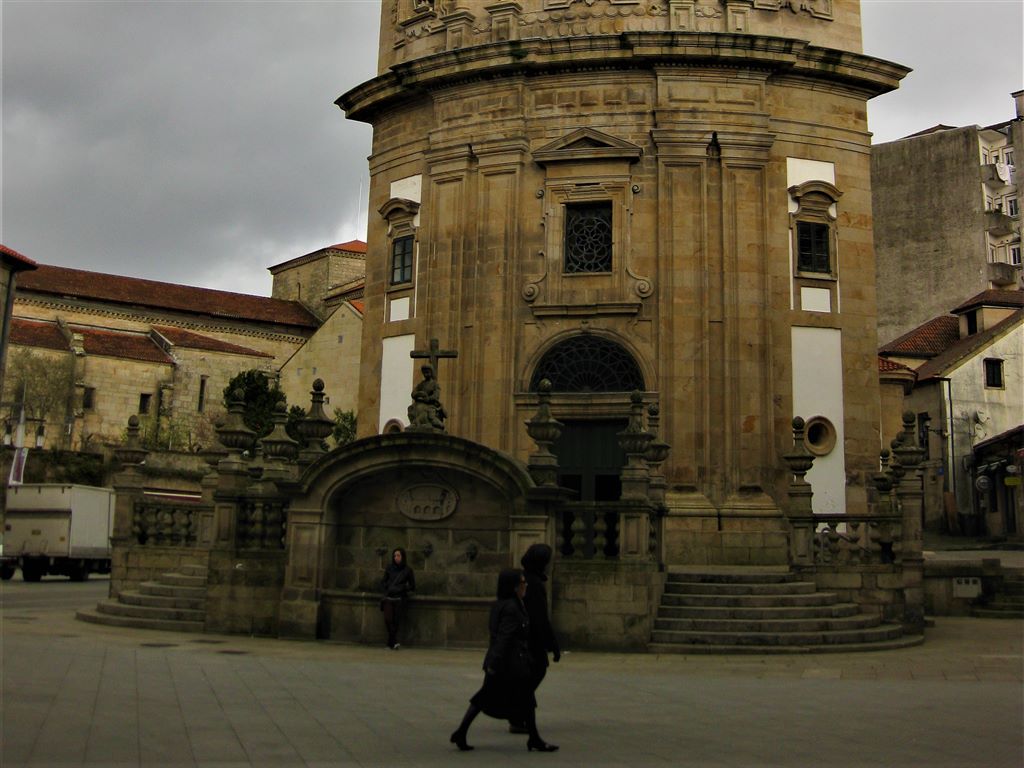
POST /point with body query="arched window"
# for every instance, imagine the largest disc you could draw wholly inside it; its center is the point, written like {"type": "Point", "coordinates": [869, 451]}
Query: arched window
{"type": "Point", "coordinates": [588, 364]}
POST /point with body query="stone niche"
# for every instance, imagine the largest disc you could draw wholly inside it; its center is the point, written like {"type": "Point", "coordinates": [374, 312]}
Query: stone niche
{"type": "Point", "coordinates": [460, 518]}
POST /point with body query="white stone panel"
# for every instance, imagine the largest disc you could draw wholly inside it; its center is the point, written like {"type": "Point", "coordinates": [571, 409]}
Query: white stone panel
{"type": "Point", "coordinates": [815, 299]}
{"type": "Point", "coordinates": [396, 372]}
{"type": "Point", "coordinates": [799, 170]}
{"type": "Point", "coordinates": [398, 309]}
{"type": "Point", "coordinates": [409, 188]}
{"type": "Point", "coordinates": [818, 391]}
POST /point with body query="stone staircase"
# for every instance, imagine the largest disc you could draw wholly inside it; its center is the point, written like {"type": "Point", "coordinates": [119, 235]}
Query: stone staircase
{"type": "Point", "coordinates": [175, 602]}
{"type": "Point", "coordinates": [1008, 601]}
{"type": "Point", "coordinates": [733, 611]}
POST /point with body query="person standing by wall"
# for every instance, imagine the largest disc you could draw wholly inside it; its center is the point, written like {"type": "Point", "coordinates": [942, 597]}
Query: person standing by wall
{"type": "Point", "coordinates": [398, 582]}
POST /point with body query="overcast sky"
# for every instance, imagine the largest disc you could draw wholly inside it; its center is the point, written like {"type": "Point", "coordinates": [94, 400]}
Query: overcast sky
{"type": "Point", "coordinates": [198, 142]}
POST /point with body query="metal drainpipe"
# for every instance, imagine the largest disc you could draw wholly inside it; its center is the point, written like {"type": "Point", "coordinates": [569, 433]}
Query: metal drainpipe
{"type": "Point", "coordinates": [950, 449]}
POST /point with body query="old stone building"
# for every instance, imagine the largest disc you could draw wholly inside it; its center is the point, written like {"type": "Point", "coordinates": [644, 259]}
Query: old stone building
{"type": "Point", "coordinates": [159, 350]}
{"type": "Point", "coordinates": [619, 299]}
{"type": "Point", "coordinates": [947, 219]}
{"type": "Point", "coordinates": [967, 397]}
{"type": "Point", "coordinates": [668, 197]}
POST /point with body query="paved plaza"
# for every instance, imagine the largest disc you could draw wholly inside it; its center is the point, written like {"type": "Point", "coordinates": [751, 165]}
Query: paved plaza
{"type": "Point", "coordinates": [77, 694]}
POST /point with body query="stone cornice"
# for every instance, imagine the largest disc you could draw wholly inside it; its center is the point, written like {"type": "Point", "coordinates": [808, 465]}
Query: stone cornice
{"type": "Point", "coordinates": [630, 50]}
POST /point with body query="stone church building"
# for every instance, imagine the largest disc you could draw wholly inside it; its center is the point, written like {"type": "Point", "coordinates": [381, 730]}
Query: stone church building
{"type": "Point", "coordinates": [634, 242]}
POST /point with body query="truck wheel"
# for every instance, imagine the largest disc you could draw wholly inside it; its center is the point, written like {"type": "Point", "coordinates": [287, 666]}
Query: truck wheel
{"type": "Point", "coordinates": [78, 572]}
{"type": "Point", "coordinates": [31, 570]}
{"type": "Point", "coordinates": [6, 572]}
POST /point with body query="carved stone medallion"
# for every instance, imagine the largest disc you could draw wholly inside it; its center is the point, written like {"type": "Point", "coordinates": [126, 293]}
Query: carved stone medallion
{"type": "Point", "coordinates": [427, 502]}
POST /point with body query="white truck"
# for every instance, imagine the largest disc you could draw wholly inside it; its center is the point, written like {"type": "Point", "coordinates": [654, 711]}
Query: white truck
{"type": "Point", "coordinates": [58, 529]}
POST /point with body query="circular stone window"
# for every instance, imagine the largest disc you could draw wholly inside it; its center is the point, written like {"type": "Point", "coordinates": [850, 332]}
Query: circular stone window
{"type": "Point", "coordinates": [820, 436]}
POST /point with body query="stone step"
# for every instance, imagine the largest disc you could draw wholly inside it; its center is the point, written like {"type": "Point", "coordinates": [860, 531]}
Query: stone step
{"type": "Point", "coordinates": [835, 611]}
{"type": "Point", "coordinates": [182, 580]}
{"type": "Point", "coordinates": [730, 575]}
{"type": "Point", "coordinates": [751, 601]}
{"type": "Point", "coordinates": [905, 641]}
{"type": "Point", "coordinates": [169, 590]}
{"type": "Point", "coordinates": [998, 612]}
{"type": "Point", "coordinates": [160, 601]}
{"type": "Point", "coordinates": [116, 608]}
{"type": "Point", "coordinates": [823, 638]}
{"type": "Point", "coordinates": [777, 626]}
{"type": "Point", "coordinates": [719, 588]}
{"type": "Point", "coordinates": [194, 570]}
{"type": "Point", "coordinates": [110, 620]}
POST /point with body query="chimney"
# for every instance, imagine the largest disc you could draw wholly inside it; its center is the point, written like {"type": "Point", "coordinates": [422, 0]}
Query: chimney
{"type": "Point", "coordinates": [1018, 103]}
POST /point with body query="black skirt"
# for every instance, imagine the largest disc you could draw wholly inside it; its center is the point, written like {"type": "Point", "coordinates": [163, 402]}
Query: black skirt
{"type": "Point", "coordinates": [505, 697]}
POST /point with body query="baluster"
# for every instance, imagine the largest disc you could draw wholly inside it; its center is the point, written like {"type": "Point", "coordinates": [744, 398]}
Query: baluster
{"type": "Point", "coordinates": [600, 540]}
{"type": "Point", "coordinates": [243, 527]}
{"type": "Point", "coordinates": [833, 540]}
{"type": "Point", "coordinates": [256, 526]}
{"type": "Point", "coordinates": [138, 531]}
{"type": "Point", "coordinates": [579, 536]}
{"type": "Point", "coordinates": [151, 524]}
{"type": "Point", "coordinates": [856, 550]}
{"type": "Point", "coordinates": [560, 533]}
{"type": "Point", "coordinates": [272, 527]}
{"type": "Point", "coordinates": [179, 528]}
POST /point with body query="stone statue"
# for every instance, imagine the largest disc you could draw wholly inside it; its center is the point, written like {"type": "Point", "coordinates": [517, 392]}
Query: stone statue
{"type": "Point", "coordinates": [426, 414]}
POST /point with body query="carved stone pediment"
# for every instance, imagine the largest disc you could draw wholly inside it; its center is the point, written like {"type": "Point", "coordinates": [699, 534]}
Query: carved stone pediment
{"type": "Point", "coordinates": [587, 144]}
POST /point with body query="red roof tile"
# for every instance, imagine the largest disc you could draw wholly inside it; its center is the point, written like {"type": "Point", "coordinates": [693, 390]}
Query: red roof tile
{"type": "Point", "coordinates": [117, 289]}
{"type": "Point", "coordinates": [889, 366]}
{"type": "Point", "coordinates": [32, 333]}
{"type": "Point", "coordinates": [19, 262]}
{"type": "Point", "coordinates": [993, 298]}
{"type": "Point", "coordinates": [926, 340]}
{"type": "Point", "coordinates": [952, 356]}
{"type": "Point", "coordinates": [360, 306]}
{"type": "Point", "coordinates": [129, 346]}
{"type": "Point", "coordinates": [190, 340]}
{"type": "Point", "coordinates": [352, 246]}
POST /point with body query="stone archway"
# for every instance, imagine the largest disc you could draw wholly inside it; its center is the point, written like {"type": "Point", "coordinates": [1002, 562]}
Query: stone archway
{"type": "Point", "coordinates": [461, 510]}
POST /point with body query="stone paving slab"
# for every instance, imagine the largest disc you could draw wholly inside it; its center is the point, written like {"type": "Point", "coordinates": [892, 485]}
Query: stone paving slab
{"type": "Point", "coordinates": [76, 694]}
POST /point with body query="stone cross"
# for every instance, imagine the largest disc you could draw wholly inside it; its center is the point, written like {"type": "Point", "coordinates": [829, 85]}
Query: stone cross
{"type": "Point", "coordinates": [434, 353]}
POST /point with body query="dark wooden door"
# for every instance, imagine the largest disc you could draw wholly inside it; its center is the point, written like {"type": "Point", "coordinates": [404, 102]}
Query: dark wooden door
{"type": "Point", "coordinates": [590, 459]}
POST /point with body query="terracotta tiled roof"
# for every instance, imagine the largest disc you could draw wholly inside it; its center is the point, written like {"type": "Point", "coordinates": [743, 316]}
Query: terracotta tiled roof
{"type": "Point", "coordinates": [889, 366]}
{"type": "Point", "coordinates": [951, 357]}
{"type": "Point", "coordinates": [20, 262]}
{"type": "Point", "coordinates": [926, 340]}
{"type": "Point", "coordinates": [32, 333]}
{"type": "Point", "coordinates": [352, 246]}
{"type": "Point", "coordinates": [117, 289]}
{"type": "Point", "coordinates": [128, 346]}
{"type": "Point", "coordinates": [360, 306]}
{"type": "Point", "coordinates": [993, 298]}
{"type": "Point", "coordinates": [190, 340]}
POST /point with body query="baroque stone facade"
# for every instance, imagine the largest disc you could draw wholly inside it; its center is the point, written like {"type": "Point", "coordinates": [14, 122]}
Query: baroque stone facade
{"type": "Point", "coordinates": [714, 150]}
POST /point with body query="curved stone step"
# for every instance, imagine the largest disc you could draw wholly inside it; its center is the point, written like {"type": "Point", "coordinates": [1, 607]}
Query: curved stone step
{"type": "Point", "coordinates": [110, 620]}
{"type": "Point", "coordinates": [905, 641]}
{"type": "Point", "coordinates": [115, 608]}
{"type": "Point", "coordinates": [833, 611]}
{"type": "Point", "coordinates": [751, 601]}
{"type": "Point", "coordinates": [715, 588]}
{"type": "Point", "coordinates": [828, 637]}
{"type": "Point", "coordinates": [730, 576]}
{"type": "Point", "coordinates": [166, 590]}
{"type": "Point", "coordinates": [994, 612]}
{"type": "Point", "coordinates": [779, 626]}
{"type": "Point", "coordinates": [132, 597]}
{"type": "Point", "coordinates": [182, 580]}
{"type": "Point", "coordinates": [194, 570]}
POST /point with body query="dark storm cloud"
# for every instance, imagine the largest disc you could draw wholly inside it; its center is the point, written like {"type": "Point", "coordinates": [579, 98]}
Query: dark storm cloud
{"type": "Point", "coordinates": [193, 142]}
{"type": "Point", "coordinates": [198, 142]}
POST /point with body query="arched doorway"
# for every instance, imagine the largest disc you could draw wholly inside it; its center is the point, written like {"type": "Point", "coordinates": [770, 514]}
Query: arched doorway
{"type": "Point", "coordinates": [591, 379]}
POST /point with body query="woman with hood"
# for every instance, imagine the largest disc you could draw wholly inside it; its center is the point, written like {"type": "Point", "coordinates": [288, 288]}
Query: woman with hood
{"type": "Point", "coordinates": [507, 692]}
{"type": "Point", "coordinates": [542, 637]}
{"type": "Point", "coordinates": [399, 580]}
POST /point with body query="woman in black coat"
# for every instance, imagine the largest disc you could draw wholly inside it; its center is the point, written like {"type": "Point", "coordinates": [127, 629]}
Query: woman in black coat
{"type": "Point", "coordinates": [542, 636]}
{"type": "Point", "coordinates": [507, 692]}
{"type": "Point", "coordinates": [399, 580]}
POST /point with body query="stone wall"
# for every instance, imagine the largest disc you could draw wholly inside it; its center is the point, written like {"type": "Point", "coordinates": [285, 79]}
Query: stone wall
{"type": "Point", "coordinates": [953, 588]}
{"type": "Point", "coordinates": [875, 588]}
{"type": "Point", "coordinates": [604, 604]}
{"type": "Point", "coordinates": [243, 592]}
{"type": "Point", "coordinates": [130, 565]}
